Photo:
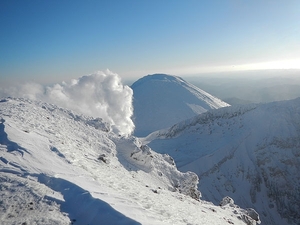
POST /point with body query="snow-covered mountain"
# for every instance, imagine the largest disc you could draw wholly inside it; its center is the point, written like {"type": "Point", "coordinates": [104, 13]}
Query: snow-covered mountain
{"type": "Point", "coordinates": [162, 100]}
{"type": "Point", "coordinates": [58, 167]}
{"type": "Point", "coordinates": [250, 153]}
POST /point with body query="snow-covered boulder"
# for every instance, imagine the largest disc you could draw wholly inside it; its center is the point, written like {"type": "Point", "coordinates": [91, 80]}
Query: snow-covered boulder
{"type": "Point", "coordinates": [249, 215]}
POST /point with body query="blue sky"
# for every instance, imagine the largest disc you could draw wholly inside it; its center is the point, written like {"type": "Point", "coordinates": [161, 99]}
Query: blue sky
{"type": "Point", "coordinates": [49, 41]}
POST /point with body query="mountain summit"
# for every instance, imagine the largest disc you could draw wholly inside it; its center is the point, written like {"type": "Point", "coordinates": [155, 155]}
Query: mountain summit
{"type": "Point", "coordinates": [162, 100]}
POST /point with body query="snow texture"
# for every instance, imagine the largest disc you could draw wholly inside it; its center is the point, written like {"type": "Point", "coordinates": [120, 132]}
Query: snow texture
{"type": "Point", "coordinates": [250, 153]}
{"type": "Point", "coordinates": [58, 167]}
{"type": "Point", "coordinates": [162, 100]}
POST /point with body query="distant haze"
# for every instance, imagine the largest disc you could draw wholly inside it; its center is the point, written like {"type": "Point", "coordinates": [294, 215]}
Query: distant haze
{"type": "Point", "coordinates": [250, 86]}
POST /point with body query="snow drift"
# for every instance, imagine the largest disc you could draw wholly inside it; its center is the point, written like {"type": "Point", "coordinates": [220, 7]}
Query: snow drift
{"type": "Point", "coordinates": [101, 95]}
{"type": "Point", "coordinates": [162, 100]}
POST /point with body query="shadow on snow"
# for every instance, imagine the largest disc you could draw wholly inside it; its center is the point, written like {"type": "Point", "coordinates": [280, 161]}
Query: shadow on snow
{"type": "Point", "coordinates": [81, 206]}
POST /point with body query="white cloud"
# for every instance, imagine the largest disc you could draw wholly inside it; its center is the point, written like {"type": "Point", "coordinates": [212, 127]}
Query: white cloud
{"type": "Point", "coordinates": [99, 95]}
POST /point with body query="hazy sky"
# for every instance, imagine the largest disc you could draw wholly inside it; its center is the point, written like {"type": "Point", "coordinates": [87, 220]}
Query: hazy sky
{"type": "Point", "coordinates": [54, 40]}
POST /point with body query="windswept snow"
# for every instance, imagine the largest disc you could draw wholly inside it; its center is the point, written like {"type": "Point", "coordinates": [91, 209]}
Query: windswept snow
{"type": "Point", "coordinates": [250, 153]}
{"type": "Point", "coordinates": [162, 100]}
{"type": "Point", "coordinates": [59, 167]}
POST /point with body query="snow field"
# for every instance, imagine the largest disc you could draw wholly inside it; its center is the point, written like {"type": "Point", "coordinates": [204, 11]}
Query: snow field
{"type": "Point", "coordinates": [53, 160]}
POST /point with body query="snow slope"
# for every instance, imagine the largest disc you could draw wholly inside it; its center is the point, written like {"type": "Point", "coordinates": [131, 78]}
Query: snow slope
{"type": "Point", "coordinates": [57, 167]}
{"type": "Point", "coordinates": [162, 100]}
{"type": "Point", "coordinates": [250, 153]}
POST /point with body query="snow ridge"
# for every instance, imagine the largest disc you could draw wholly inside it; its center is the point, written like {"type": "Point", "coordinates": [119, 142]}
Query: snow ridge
{"type": "Point", "coordinates": [251, 151]}
{"type": "Point", "coordinates": [58, 167]}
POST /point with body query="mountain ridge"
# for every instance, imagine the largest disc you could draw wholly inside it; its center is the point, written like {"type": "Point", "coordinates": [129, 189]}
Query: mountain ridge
{"type": "Point", "coordinates": [252, 151]}
{"type": "Point", "coordinates": [58, 167]}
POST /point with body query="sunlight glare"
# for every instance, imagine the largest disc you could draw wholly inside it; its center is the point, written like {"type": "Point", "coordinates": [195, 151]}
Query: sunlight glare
{"type": "Point", "coordinates": [280, 64]}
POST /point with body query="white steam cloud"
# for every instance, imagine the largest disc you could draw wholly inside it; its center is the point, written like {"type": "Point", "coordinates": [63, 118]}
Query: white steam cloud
{"type": "Point", "coordinates": [98, 95]}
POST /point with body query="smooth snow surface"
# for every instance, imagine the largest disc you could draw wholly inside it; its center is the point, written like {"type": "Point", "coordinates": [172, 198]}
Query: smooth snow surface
{"type": "Point", "coordinates": [162, 100]}
{"type": "Point", "coordinates": [250, 153]}
{"type": "Point", "coordinates": [58, 167]}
